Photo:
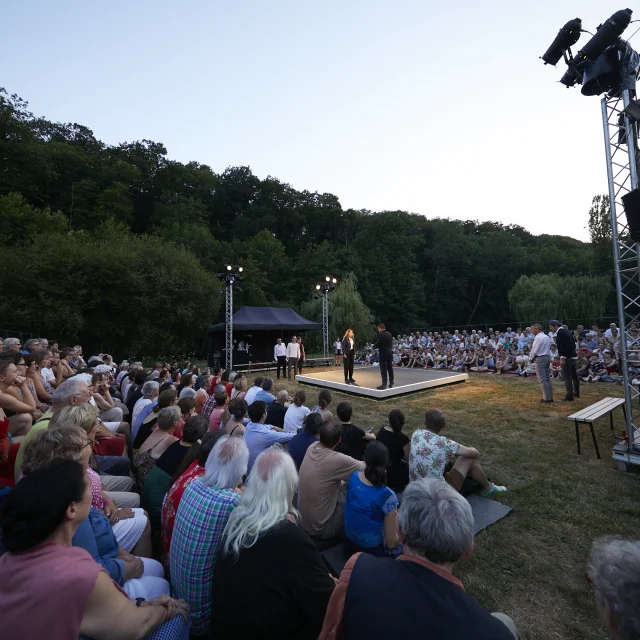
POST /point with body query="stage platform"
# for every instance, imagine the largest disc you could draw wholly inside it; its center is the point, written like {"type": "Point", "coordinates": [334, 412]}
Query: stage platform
{"type": "Point", "coordinates": [368, 378]}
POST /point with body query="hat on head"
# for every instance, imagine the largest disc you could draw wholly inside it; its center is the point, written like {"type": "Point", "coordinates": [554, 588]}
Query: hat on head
{"type": "Point", "coordinates": [555, 323]}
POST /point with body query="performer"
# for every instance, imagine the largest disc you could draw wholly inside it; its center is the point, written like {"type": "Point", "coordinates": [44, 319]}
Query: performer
{"type": "Point", "coordinates": [385, 355]}
{"type": "Point", "coordinates": [293, 355]}
{"type": "Point", "coordinates": [280, 356]}
{"type": "Point", "coordinates": [568, 356]}
{"type": "Point", "coordinates": [337, 349]}
{"type": "Point", "coordinates": [301, 360]}
{"type": "Point", "coordinates": [349, 353]}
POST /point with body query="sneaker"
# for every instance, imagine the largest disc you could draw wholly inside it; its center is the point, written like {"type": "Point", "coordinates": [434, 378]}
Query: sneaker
{"type": "Point", "coordinates": [495, 488]}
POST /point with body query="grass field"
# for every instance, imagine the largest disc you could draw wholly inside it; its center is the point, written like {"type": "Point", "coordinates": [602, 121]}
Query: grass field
{"type": "Point", "coordinates": [529, 565]}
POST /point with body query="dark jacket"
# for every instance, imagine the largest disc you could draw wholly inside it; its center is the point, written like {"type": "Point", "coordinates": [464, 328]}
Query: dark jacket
{"type": "Point", "coordinates": [384, 345]}
{"type": "Point", "coordinates": [566, 343]}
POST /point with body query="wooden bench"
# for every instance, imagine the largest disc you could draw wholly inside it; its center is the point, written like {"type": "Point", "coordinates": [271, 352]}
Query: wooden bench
{"type": "Point", "coordinates": [594, 412]}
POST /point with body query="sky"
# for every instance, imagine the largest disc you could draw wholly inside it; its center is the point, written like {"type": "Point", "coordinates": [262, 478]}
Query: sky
{"type": "Point", "coordinates": [437, 108]}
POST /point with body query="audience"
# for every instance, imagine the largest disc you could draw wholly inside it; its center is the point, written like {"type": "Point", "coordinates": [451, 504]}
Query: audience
{"type": "Point", "coordinates": [417, 594]}
{"type": "Point", "coordinates": [250, 396]}
{"type": "Point", "coordinates": [150, 391]}
{"type": "Point", "coordinates": [399, 447]}
{"type": "Point", "coordinates": [305, 438]}
{"type": "Point", "coordinates": [263, 394]}
{"type": "Point", "coordinates": [260, 436]}
{"type": "Point", "coordinates": [614, 574]}
{"type": "Point", "coordinates": [239, 388]}
{"type": "Point", "coordinates": [270, 580]}
{"type": "Point", "coordinates": [200, 520]}
{"type": "Point", "coordinates": [321, 491]}
{"type": "Point", "coordinates": [38, 522]}
{"type": "Point", "coordinates": [276, 411]}
{"type": "Point", "coordinates": [430, 452]}
{"type": "Point", "coordinates": [238, 410]}
{"type": "Point", "coordinates": [215, 417]}
{"type": "Point", "coordinates": [354, 439]}
{"type": "Point", "coordinates": [296, 413]}
{"type": "Point", "coordinates": [324, 400]}
{"type": "Point", "coordinates": [167, 398]}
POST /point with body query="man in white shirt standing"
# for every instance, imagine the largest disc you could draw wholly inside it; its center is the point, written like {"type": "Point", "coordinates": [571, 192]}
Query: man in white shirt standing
{"type": "Point", "coordinates": [280, 356]}
{"type": "Point", "coordinates": [293, 355]}
{"type": "Point", "coordinates": [540, 355]}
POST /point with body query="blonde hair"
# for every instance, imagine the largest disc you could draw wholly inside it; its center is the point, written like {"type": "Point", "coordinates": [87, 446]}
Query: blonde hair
{"type": "Point", "coordinates": [83, 415]}
{"type": "Point", "coordinates": [62, 442]}
{"type": "Point", "coordinates": [346, 333]}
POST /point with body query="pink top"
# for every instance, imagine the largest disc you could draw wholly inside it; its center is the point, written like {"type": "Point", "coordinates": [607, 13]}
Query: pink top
{"type": "Point", "coordinates": [44, 591]}
{"type": "Point", "coordinates": [216, 418]}
{"type": "Point", "coordinates": [97, 501]}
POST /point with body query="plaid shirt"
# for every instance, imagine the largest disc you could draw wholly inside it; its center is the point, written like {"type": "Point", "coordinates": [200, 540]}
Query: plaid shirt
{"type": "Point", "coordinates": [202, 516]}
{"type": "Point", "coordinates": [208, 406]}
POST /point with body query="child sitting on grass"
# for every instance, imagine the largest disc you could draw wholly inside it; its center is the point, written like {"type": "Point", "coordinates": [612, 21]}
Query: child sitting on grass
{"type": "Point", "coordinates": [429, 453]}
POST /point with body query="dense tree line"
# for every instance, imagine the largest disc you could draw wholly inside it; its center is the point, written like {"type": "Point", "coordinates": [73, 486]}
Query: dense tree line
{"type": "Point", "coordinates": [412, 271]}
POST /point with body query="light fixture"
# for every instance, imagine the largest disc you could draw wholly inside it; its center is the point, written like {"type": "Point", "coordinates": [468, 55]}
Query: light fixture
{"type": "Point", "coordinates": [240, 269]}
{"type": "Point", "coordinates": [633, 110]}
{"type": "Point", "coordinates": [229, 267]}
{"type": "Point", "coordinates": [318, 287]}
{"type": "Point", "coordinates": [567, 37]}
{"type": "Point", "coordinates": [328, 279]}
{"type": "Point", "coordinates": [334, 280]}
{"type": "Point", "coordinates": [631, 202]}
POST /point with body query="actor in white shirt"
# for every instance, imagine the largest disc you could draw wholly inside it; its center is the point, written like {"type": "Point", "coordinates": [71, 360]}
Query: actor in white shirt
{"type": "Point", "coordinates": [293, 355]}
{"type": "Point", "coordinates": [280, 356]}
{"type": "Point", "coordinates": [540, 355]}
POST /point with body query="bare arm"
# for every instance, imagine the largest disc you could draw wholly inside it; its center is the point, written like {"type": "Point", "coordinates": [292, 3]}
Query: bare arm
{"type": "Point", "coordinates": [390, 529]}
{"type": "Point", "coordinates": [468, 452]}
{"type": "Point", "coordinates": [101, 403]}
{"type": "Point", "coordinates": [8, 401]}
{"type": "Point", "coordinates": [41, 393]}
{"type": "Point", "coordinates": [407, 450]}
{"type": "Point", "coordinates": [369, 436]}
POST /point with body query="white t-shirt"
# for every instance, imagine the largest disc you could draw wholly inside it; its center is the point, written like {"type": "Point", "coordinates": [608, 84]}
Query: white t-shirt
{"type": "Point", "coordinates": [337, 346]}
{"type": "Point", "coordinates": [47, 374]}
{"type": "Point", "coordinates": [294, 418]}
{"type": "Point", "coordinates": [251, 394]}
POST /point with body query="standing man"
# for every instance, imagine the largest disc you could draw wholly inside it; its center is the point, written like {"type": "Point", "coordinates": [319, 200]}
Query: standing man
{"type": "Point", "coordinates": [280, 356]}
{"type": "Point", "coordinates": [540, 355]}
{"type": "Point", "coordinates": [385, 355]}
{"type": "Point", "coordinates": [293, 355]}
{"type": "Point", "coordinates": [569, 357]}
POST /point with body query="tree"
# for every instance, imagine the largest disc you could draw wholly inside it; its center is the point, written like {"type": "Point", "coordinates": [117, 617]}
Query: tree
{"type": "Point", "coordinates": [20, 222]}
{"type": "Point", "coordinates": [545, 297]}
{"type": "Point", "coordinates": [346, 311]}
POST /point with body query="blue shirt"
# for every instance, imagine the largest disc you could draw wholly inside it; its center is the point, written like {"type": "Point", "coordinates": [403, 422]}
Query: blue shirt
{"type": "Point", "coordinates": [299, 445]}
{"type": "Point", "coordinates": [140, 419]}
{"type": "Point", "coordinates": [259, 437]}
{"type": "Point", "coordinates": [265, 396]}
{"type": "Point", "coordinates": [364, 512]}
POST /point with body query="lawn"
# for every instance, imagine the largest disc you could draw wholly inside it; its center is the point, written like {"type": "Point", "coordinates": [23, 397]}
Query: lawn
{"type": "Point", "coordinates": [531, 564]}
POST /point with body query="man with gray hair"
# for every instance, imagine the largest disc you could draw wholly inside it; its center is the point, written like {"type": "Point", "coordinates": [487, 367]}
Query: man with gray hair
{"type": "Point", "coordinates": [200, 520]}
{"type": "Point", "coordinates": [540, 356]}
{"type": "Point", "coordinates": [614, 573]}
{"type": "Point", "coordinates": [416, 594]}
{"type": "Point", "coordinates": [11, 344]}
{"type": "Point", "coordinates": [264, 393]}
{"type": "Point", "coordinates": [31, 345]}
{"type": "Point", "coordinates": [149, 394]}
{"type": "Point", "coordinates": [276, 410]}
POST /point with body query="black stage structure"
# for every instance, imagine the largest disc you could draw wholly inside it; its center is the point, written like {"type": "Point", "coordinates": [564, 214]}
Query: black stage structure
{"type": "Point", "coordinates": [255, 331]}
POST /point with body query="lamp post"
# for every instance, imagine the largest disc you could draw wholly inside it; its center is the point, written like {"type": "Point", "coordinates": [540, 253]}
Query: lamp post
{"type": "Point", "coordinates": [230, 275]}
{"type": "Point", "coordinates": [329, 284]}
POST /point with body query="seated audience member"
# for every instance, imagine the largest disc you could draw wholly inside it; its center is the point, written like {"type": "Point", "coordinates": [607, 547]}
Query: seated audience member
{"type": "Point", "coordinates": [181, 480]}
{"type": "Point", "coordinates": [321, 495]}
{"type": "Point", "coordinates": [260, 436]}
{"type": "Point", "coordinates": [305, 438]}
{"type": "Point", "coordinates": [109, 412]}
{"type": "Point", "coordinates": [277, 410]}
{"type": "Point", "coordinates": [402, 598]}
{"type": "Point", "coordinates": [169, 420]}
{"type": "Point", "coordinates": [202, 394]}
{"type": "Point", "coordinates": [159, 479]}
{"type": "Point", "coordinates": [202, 515]}
{"type": "Point", "coordinates": [209, 405]}
{"type": "Point", "coordinates": [149, 394]}
{"type": "Point", "coordinates": [296, 413]}
{"type": "Point", "coordinates": [265, 555]}
{"type": "Point", "coordinates": [215, 418]}
{"type": "Point", "coordinates": [264, 394]}
{"type": "Point", "coordinates": [148, 409]}
{"type": "Point", "coordinates": [35, 381]}
{"type": "Point", "coordinates": [239, 387]}
{"type": "Point", "coordinates": [166, 399]}
{"type": "Point", "coordinates": [324, 400]}
{"type": "Point", "coordinates": [186, 387]}
{"type": "Point", "coordinates": [614, 574]}
{"type": "Point", "coordinates": [399, 446]}
{"type": "Point", "coordinates": [253, 392]}
{"type": "Point", "coordinates": [371, 507]}
{"type": "Point", "coordinates": [237, 413]}
{"type": "Point", "coordinates": [140, 577]}
{"type": "Point", "coordinates": [354, 439]}
{"type": "Point", "coordinates": [225, 381]}
{"type": "Point", "coordinates": [135, 390]}
{"type": "Point", "coordinates": [38, 522]}
{"type": "Point", "coordinates": [17, 401]}
{"type": "Point", "coordinates": [8, 454]}
{"type": "Point", "coordinates": [430, 452]}
{"type": "Point", "coordinates": [187, 408]}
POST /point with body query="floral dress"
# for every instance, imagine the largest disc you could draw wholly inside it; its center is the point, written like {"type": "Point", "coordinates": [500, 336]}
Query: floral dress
{"type": "Point", "coordinates": [429, 453]}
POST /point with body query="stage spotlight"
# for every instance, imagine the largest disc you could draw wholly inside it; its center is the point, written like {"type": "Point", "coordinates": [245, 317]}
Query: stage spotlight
{"type": "Point", "coordinates": [567, 37]}
{"type": "Point", "coordinates": [334, 280]}
{"type": "Point", "coordinates": [633, 110]}
{"type": "Point", "coordinates": [631, 202]}
{"type": "Point", "coordinates": [229, 267]}
{"type": "Point", "coordinates": [318, 287]}
{"type": "Point", "coordinates": [602, 74]}
{"type": "Point", "coordinates": [240, 269]}
{"type": "Point", "coordinates": [606, 35]}
{"type": "Point", "coordinates": [328, 278]}
{"type": "Point", "coordinates": [571, 77]}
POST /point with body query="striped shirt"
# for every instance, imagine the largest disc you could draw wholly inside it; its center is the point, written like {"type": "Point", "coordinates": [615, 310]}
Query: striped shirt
{"type": "Point", "coordinates": [197, 533]}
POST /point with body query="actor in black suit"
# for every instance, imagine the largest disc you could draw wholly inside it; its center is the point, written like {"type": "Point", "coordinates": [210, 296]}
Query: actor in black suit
{"type": "Point", "coordinates": [349, 355]}
{"type": "Point", "coordinates": [385, 355]}
{"type": "Point", "coordinates": [567, 350]}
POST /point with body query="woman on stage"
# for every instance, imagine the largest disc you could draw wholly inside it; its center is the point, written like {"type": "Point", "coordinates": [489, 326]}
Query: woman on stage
{"type": "Point", "coordinates": [348, 356]}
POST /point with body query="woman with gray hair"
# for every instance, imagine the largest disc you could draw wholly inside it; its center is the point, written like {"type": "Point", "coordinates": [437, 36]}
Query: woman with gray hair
{"type": "Point", "coordinates": [614, 573]}
{"type": "Point", "coordinates": [401, 598]}
{"type": "Point", "coordinates": [169, 419]}
{"type": "Point", "coordinates": [269, 560]}
{"type": "Point", "coordinates": [203, 512]}
{"type": "Point", "coordinates": [149, 394]}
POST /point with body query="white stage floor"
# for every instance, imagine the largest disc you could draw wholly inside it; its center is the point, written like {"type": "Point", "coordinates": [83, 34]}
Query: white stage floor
{"type": "Point", "coordinates": [368, 378]}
